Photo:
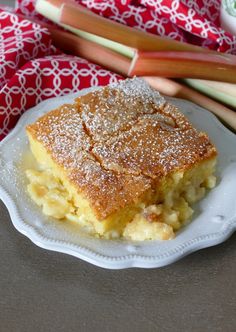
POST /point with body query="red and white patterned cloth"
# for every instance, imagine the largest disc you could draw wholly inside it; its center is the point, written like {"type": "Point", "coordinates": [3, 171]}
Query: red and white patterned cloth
{"type": "Point", "coordinates": [31, 69]}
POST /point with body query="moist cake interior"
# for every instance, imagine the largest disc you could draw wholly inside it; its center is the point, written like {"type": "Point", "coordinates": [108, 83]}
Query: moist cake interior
{"type": "Point", "coordinates": [120, 162]}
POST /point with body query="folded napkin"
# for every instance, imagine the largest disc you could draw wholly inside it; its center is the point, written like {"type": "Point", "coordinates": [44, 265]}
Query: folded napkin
{"type": "Point", "coordinates": [32, 69]}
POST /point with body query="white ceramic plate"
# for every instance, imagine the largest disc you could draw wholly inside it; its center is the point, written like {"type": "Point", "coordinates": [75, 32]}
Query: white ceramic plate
{"type": "Point", "coordinates": [213, 222]}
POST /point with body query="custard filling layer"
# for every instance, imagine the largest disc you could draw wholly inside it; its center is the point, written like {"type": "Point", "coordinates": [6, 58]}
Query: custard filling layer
{"type": "Point", "coordinates": [157, 221]}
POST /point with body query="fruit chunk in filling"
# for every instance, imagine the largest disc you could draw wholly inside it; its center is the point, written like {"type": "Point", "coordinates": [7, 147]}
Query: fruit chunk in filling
{"type": "Point", "coordinates": [152, 222]}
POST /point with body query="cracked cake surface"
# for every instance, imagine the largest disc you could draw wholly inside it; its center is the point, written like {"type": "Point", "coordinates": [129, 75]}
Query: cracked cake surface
{"type": "Point", "coordinates": [116, 144]}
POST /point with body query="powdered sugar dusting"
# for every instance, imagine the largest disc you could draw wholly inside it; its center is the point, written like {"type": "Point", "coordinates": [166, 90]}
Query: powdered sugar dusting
{"type": "Point", "coordinates": [62, 133]}
{"type": "Point", "coordinates": [151, 149]}
{"type": "Point", "coordinates": [117, 107]}
{"type": "Point", "coordinates": [138, 88]}
{"type": "Point", "coordinates": [115, 141]}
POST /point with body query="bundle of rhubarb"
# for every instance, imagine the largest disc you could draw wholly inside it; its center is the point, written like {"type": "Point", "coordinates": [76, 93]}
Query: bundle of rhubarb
{"type": "Point", "coordinates": [53, 47]}
{"type": "Point", "coordinates": [130, 51]}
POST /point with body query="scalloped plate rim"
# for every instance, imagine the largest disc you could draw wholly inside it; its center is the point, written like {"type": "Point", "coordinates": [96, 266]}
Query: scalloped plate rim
{"type": "Point", "coordinates": [90, 255]}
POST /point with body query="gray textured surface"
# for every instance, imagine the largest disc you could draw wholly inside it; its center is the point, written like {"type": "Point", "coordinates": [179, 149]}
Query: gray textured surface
{"type": "Point", "coordinates": [47, 291]}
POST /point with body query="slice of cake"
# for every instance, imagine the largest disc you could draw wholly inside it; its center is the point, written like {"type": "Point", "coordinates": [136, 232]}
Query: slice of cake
{"type": "Point", "coordinates": [120, 161]}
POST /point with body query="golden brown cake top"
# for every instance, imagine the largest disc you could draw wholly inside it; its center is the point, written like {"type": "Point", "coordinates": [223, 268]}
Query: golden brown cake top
{"type": "Point", "coordinates": [117, 108]}
{"type": "Point", "coordinates": [118, 141]}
